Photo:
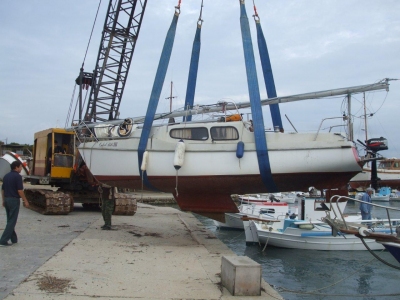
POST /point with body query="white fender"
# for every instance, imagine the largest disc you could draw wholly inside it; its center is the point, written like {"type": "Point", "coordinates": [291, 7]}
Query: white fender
{"type": "Point", "coordinates": [179, 156]}
{"type": "Point", "coordinates": [144, 161]}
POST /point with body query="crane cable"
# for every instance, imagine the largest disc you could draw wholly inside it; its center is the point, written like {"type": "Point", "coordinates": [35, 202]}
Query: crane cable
{"type": "Point", "coordinates": [200, 21]}
{"type": "Point", "coordinates": [83, 63]}
{"type": "Point", "coordinates": [255, 11]}
{"type": "Point", "coordinates": [178, 7]}
{"type": "Point", "coordinates": [91, 33]}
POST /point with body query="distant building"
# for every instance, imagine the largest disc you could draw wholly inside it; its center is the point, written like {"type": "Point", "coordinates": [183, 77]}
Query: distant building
{"type": "Point", "coordinates": [16, 148]}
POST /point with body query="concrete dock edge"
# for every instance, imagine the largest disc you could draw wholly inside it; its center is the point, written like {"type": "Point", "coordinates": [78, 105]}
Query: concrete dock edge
{"type": "Point", "coordinates": [159, 253]}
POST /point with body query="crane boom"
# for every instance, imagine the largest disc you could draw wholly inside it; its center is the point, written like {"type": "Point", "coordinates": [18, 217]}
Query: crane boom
{"type": "Point", "coordinates": [119, 36]}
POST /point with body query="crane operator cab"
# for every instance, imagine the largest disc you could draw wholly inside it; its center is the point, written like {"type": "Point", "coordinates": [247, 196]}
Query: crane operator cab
{"type": "Point", "coordinates": [53, 153]}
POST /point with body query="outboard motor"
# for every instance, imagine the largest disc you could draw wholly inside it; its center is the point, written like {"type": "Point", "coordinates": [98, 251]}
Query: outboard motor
{"type": "Point", "coordinates": [375, 145]}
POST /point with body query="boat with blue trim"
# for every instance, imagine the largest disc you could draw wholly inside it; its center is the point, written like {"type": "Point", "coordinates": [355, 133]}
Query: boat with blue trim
{"type": "Point", "coordinates": [202, 162]}
{"type": "Point", "coordinates": [389, 238]}
{"type": "Point", "coordinates": [309, 230]}
{"type": "Point", "coordinates": [211, 169]}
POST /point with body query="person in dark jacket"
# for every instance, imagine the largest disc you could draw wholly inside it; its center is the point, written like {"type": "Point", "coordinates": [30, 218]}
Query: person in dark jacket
{"type": "Point", "coordinates": [11, 191]}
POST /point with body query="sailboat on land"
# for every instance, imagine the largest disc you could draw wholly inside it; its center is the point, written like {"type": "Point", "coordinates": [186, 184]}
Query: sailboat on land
{"type": "Point", "coordinates": [203, 162]}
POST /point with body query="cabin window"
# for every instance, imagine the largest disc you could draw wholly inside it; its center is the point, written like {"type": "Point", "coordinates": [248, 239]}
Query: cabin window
{"type": "Point", "coordinates": [396, 165]}
{"type": "Point", "coordinates": [267, 210]}
{"type": "Point", "coordinates": [198, 133]}
{"type": "Point", "coordinates": [224, 133]}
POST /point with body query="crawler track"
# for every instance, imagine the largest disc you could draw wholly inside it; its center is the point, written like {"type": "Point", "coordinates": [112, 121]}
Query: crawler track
{"type": "Point", "coordinates": [48, 202]}
{"type": "Point", "coordinates": [125, 204]}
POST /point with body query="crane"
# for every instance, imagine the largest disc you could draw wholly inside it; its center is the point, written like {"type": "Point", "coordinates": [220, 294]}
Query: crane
{"type": "Point", "coordinates": [65, 170]}
{"type": "Point", "coordinates": [120, 33]}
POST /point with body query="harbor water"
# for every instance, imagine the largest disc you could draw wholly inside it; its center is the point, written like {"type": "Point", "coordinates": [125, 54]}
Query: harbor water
{"type": "Point", "coordinates": [307, 274]}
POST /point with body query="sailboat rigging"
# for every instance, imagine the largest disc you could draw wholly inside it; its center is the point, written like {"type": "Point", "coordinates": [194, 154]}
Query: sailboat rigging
{"type": "Point", "coordinates": [222, 156]}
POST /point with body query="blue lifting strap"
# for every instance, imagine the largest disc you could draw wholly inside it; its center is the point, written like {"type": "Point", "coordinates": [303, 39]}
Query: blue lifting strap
{"type": "Point", "coordinates": [255, 103]}
{"type": "Point", "coordinates": [268, 76]}
{"type": "Point", "coordinates": [155, 95]}
{"type": "Point", "coordinates": [194, 65]}
{"type": "Point", "coordinates": [192, 77]}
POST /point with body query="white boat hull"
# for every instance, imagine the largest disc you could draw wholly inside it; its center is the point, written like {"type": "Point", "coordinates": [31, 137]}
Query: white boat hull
{"type": "Point", "coordinates": [258, 198]}
{"type": "Point", "coordinates": [232, 221]}
{"type": "Point", "coordinates": [294, 238]}
{"type": "Point", "coordinates": [211, 171]}
{"type": "Point", "coordinates": [266, 210]}
{"type": "Point", "coordinates": [380, 198]}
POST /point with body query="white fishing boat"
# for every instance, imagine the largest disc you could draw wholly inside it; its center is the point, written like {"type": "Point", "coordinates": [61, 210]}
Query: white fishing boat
{"type": "Point", "coordinates": [297, 234]}
{"type": "Point", "coordinates": [390, 238]}
{"type": "Point", "coordinates": [264, 210]}
{"type": "Point", "coordinates": [388, 171]}
{"type": "Point", "coordinates": [383, 194]}
{"type": "Point", "coordinates": [309, 231]}
{"type": "Point", "coordinates": [379, 197]}
{"type": "Point", "coordinates": [394, 195]}
{"type": "Point", "coordinates": [289, 197]}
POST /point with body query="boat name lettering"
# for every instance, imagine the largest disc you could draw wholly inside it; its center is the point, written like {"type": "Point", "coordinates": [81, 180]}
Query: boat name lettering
{"type": "Point", "coordinates": [109, 144]}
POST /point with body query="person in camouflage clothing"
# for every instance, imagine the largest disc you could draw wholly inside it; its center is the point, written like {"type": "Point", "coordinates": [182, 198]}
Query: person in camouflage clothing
{"type": "Point", "coordinates": [107, 207]}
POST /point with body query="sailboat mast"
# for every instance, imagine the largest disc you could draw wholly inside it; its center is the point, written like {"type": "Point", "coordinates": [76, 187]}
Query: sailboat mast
{"type": "Point", "coordinates": [365, 120]}
{"type": "Point", "coordinates": [349, 123]}
{"type": "Point", "coordinates": [383, 85]}
{"type": "Point", "coordinates": [170, 97]}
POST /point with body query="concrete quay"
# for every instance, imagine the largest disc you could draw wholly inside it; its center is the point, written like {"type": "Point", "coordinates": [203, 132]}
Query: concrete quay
{"type": "Point", "coordinates": [149, 197]}
{"type": "Point", "coordinates": [159, 253]}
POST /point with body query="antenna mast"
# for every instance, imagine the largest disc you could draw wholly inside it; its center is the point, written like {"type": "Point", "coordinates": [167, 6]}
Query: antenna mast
{"type": "Point", "coordinates": [170, 98]}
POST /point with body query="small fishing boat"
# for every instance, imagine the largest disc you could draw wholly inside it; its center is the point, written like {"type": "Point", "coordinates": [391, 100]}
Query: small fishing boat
{"type": "Point", "coordinates": [301, 234]}
{"type": "Point", "coordinates": [289, 197]}
{"type": "Point", "coordinates": [309, 231]}
{"type": "Point", "coordinates": [390, 238]}
{"type": "Point", "coordinates": [382, 195]}
{"type": "Point", "coordinates": [265, 210]}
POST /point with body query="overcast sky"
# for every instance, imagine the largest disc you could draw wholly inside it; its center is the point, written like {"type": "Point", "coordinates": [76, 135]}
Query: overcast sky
{"type": "Point", "coordinates": [314, 45]}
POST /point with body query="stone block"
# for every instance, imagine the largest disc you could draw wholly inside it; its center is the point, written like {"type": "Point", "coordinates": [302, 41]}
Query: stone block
{"type": "Point", "coordinates": [241, 276]}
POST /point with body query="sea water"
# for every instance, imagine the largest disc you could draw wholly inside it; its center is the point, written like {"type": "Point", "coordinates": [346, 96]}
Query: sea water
{"type": "Point", "coordinates": [311, 274]}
